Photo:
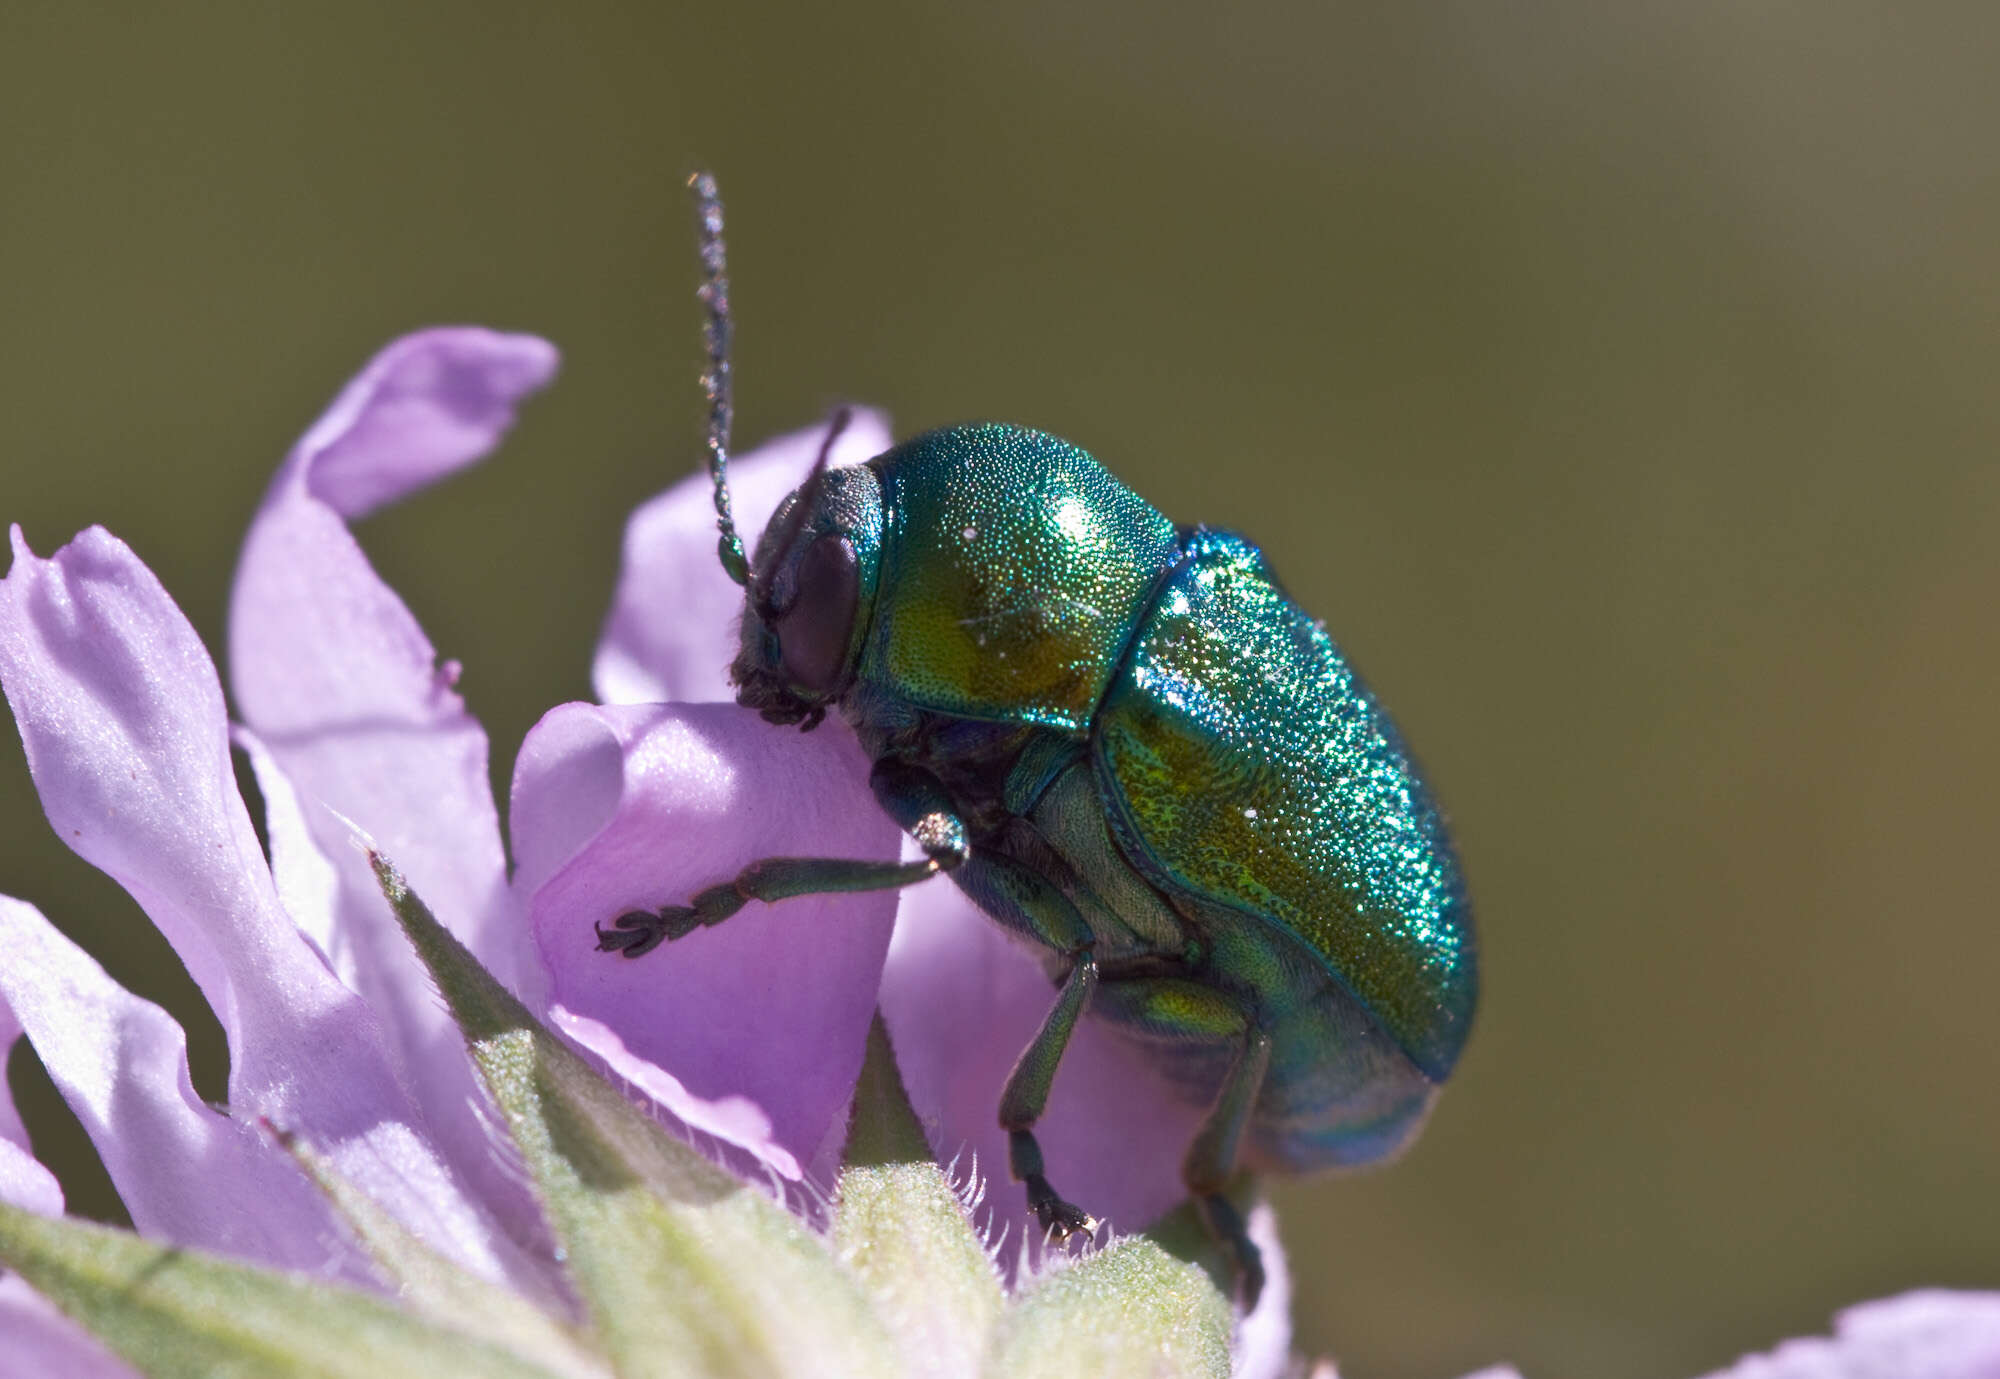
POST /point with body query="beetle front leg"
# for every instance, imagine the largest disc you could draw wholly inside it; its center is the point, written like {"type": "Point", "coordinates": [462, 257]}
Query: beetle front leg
{"type": "Point", "coordinates": [774, 878]}
{"type": "Point", "coordinates": [912, 799]}
{"type": "Point", "coordinates": [1211, 1159]}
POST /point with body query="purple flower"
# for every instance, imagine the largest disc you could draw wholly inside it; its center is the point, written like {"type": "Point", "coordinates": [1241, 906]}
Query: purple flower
{"type": "Point", "coordinates": [750, 1036]}
{"type": "Point", "coordinates": [1930, 1334]}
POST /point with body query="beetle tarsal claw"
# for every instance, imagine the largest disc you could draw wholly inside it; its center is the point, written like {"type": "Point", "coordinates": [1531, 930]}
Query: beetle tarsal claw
{"type": "Point", "coordinates": [1059, 1219]}
{"type": "Point", "coordinates": [631, 934]}
{"type": "Point", "coordinates": [638, 932]}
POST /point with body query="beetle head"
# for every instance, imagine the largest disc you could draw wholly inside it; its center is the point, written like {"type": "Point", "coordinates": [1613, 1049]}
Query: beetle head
{"type": "Point", "coordinates": [810, 593]}
{"type": "Point", "coordinates": [812, 584]}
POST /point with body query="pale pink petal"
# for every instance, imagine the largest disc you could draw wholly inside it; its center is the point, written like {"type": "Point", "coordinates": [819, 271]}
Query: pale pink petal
{"type": "Point", "coordinates": [36, 1339]}
{"type": "Point", "coordinates": [636, 807]}
{"type": "Point", "coordinates": [425, 406]}
{"type": "Point", "coordinates": [671, 633]}
{"type": "Point", "coordinates": [340, 686]}
{"type": "Point", "coordinates": [734, 1120]}
{"type": "Point", "coordinates": [1930, 1334]}
{"type": "Point", "coordinates": [121, 715]}
{"type": "Point", "coordinates": [1490, 1372]}
{"type": "Point", "coordinates": [308, 882]}
{"type": "Point", "coordinates": [23, 1180]}
{"type": "Point", "coordinates": [962, 1001]}
{"type": "Point", "coordinates": [1262, 1348]}
{"type": "Point", "coordinates": [187, 1174]}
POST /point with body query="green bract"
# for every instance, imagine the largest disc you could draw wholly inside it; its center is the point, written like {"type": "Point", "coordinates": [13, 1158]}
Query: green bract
{"type": "Point", "coordinates": [678, 1269]}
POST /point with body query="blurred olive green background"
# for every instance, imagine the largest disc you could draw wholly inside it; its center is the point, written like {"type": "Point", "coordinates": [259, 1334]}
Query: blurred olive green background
{"type": "Point", "coordinates": [1618, 381]}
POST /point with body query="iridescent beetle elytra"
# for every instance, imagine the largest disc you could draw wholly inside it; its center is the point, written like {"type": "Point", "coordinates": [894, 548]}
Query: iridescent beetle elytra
{"type": "Point", "coordinates": [1129, 747]}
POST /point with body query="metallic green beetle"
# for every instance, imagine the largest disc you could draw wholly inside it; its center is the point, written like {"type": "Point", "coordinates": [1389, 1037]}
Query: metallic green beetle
{"type": "Point", "coordinates": [1128, 746]}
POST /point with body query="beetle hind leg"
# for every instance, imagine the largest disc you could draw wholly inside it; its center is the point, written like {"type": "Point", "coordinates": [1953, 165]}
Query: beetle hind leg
{"type": "Point", "coordinates": [1211, 1159]}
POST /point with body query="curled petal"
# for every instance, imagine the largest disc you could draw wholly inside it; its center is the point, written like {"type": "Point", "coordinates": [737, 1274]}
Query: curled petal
{"type": "Point", "coordinates": [1930, 1334]}
{"type": "Point", "coordinates": [121, 716]}
{"type": "Point", "coordinates": [428, 404]}
{"type": "Point", "coordinates": [348, 708]}
{"type": "Point", "coordinates": [188, 1174]}
{"type": "Point", "coordinates": [962, 1001]}
{"type": "Point", "coordinates": [671, 632]}
{"type": "Point", "coordinates": [636, 807]}
{"type": "Point", "coordinates": [328, 666]}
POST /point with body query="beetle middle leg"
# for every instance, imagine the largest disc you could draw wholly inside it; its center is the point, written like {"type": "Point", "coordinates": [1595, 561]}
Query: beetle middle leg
{"type": "Point", "coordinates": [1018, 895]}
{"type": "Point", "coordinates": [1174, 1010]}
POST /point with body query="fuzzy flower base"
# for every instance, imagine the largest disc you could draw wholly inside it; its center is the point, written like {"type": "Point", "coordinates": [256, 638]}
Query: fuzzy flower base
{"type": "Point", "coordinates": [723, 1161]}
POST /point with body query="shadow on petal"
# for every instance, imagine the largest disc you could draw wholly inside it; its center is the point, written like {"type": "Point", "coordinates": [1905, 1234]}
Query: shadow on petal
{"type": "Point", "coordinates": [735, 1121]}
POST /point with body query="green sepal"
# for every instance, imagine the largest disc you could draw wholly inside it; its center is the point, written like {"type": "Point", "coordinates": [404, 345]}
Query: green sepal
{"type": "Point", "coordinates": [683, 1270]}
{"type": "Point", "coordinates": [433, 1287]}
{"type": "Point", "coordinates": [1181, 1234]}
{"type": "Point", "coordinates": [905, 1234]}
{"type": "Point", "coordinates": [883, 1128]}
{"type": "Point", "coordinates": [1131, 1311]}
{"type": "Point", "coordinates": [176, 1313]}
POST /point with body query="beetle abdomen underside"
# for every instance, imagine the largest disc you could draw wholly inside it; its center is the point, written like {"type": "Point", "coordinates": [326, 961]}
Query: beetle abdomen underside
{"type": "Point", "coordinates": [1339, 1092]}
{"type": "Point", "coordinates": [1255, 770]}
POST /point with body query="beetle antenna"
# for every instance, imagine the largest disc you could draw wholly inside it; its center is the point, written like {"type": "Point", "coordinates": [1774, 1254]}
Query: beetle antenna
{"type": "Point", "coordinates": [795, 520]}
{"type": "Point", "coordinates": [715, 334]}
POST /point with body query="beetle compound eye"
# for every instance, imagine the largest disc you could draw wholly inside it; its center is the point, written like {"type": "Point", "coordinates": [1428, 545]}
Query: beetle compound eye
{"type": "Point", "coordinates": [814, 627]}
